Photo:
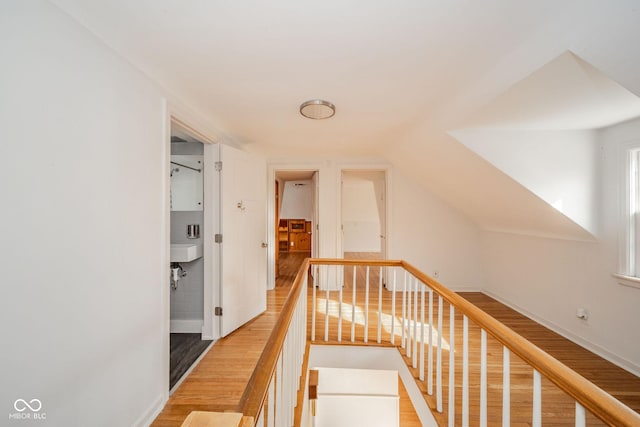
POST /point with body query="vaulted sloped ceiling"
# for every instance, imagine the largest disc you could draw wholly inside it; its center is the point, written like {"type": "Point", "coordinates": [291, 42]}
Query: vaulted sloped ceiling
{"type": "Point", "coordinates": [541, 132]}
{"type": "Point", "coordinates": [403, 75]}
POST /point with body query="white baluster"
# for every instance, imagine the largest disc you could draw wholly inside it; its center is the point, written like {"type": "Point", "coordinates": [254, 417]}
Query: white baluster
{"type": "Point", "coordinates": [404, 311]}
{"type": "Point", "coordinates": [408, 347]}
{"type": "Point", "coordinates": [293, 386]}
{"type": "Point", "coordinates": [380, 307]}
{"type": "Point", "coordinates": [366, 308]}
{"type": "Point", "coordinates": [326, 309]}
{"type": "Point", "coordinates": [415, 324]}
{"type": "Point", "coordinates": [285, 384]}
{"type": "Point", "coordinates": [261, 420]}
{"type": "Point", "coordinates": [289, 383]}
{"type": "Point", "coordinates": [353, 306]}
{"type": "Point", "coordinates": [340, 308]}
{"type": "Point", "coordinates": [430, 358]}
{"type": "Point", "coordinates": [393, 309]}
{"type": "Point", "coordinates": [279, 402]}
{"type": "Point", "coordinates": [465, 371]}
{"type": "Point", "coordinates": [421, 332]}
{"type": "Point", "coordinates": [439, 359]}
{"type": "Point", "coordinates": [452, 367]}
{"type": "Point", "coordinates": [313, 305]}
{"type": "Point", "coordinates": [303, 325]}
{"type": "Point", "coordinates": [506, 388]}
{"type": "Point", "coordinates": [271, 420]}
{"type": "Point", "coordinates": [483, 378]}
{"type": "Point", "coordinates": [537, 400]}
{"type": "Point", "coordinates": [581, 416]}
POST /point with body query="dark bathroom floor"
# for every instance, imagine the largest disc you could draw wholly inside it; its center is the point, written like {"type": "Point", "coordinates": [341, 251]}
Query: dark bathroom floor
{"type": "Point", "coordinates": [185, 349]}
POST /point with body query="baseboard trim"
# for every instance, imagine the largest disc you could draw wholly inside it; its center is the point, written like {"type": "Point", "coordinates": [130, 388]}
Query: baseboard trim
{"type": "Point", "coordinates": [621, 362]}
{"type": "Point", "coordinates": [186, 326]}
{"type": "Point", "coordinates": [457, 289]}
{"type": "Point", "coordinates": [152, 412]}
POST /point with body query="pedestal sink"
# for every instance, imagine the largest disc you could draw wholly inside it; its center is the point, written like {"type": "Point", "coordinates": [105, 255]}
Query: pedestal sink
{"type": "Point", "coordinates": [185, 252]}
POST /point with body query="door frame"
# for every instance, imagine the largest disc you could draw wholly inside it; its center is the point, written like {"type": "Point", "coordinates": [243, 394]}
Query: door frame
{"type": "Point", "coordinates": [272, 243]}
{"type": "Point", "coordinates": [175, 112]}
{"type": "Point", "coordinates": [382, 167]}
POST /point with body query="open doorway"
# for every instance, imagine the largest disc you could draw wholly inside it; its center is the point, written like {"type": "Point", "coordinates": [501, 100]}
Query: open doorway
{"type": "Point", "coordinates": [296, 213]}
{"type": "Point", "coordinates": [187, 252]}
{"type": "Point", "coordinates": [364, 204]}
{"type": "Point", "coordinates": [364, 214]}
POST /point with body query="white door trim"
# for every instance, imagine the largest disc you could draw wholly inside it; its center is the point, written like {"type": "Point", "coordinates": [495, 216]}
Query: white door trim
{"type": "Point", "coordinates": [174, 112]}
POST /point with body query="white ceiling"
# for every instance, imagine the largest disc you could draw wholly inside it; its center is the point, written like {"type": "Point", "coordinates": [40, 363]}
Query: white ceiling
{"type": "Point", "coordinates": [401, 75]}
{"type": "Point", "coordinates": [566, 93]}
{"type": "Point", "coordinates": [250, 64]}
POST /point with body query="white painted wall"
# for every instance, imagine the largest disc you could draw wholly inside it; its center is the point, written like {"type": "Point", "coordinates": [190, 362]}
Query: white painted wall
{"type": "Point", "coordinates": [348, 397]}
{"type": "Point", "coordinates": [549, 278]}
{"type": "Point", "coordinates": [559, 166]}
{"type": "Point", "coordinates": [187, 301]}
{"type": "Point", "coordinates": [84, 311]}
{"type": "Point", "coordinates": [338, 356]}
{"type": "Point", "coordinates": [433, 236]}
{"type": "Point", "coordinates": [297, 200]}
{"type": "Point", "coordinates": [360, 214]}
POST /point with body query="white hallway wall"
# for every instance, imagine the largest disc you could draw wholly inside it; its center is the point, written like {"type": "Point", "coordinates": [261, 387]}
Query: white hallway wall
{"type": "Point", "coordinates": [84, 310]}
{"type": "Point", "coordinates": [433, 236]}
{"type": "Point", "coordinates": [550, 278]}
{"type": "Point", "coordinates": [360, 217]}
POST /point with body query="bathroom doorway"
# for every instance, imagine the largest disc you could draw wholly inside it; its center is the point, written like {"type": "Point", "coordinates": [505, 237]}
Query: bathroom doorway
{"type": "Point", "coordinates": [296, 221]}
{"type": "Point", "coordinates": [187, 266]}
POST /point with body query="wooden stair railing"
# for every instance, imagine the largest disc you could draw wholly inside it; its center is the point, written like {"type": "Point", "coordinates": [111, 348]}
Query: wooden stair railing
{"type": "Point", "coordinates": [339, 296]}
{"type": "Point", "coordinates": [271, 392]}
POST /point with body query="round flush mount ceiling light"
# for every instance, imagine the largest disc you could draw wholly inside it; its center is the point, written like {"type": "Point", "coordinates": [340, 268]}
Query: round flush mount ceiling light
{"type": "Point", "coordinates": [317, 109]}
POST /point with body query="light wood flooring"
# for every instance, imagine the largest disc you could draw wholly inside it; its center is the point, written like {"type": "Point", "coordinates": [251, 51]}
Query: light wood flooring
{"type": "Point", "coordinates": [219, 380]}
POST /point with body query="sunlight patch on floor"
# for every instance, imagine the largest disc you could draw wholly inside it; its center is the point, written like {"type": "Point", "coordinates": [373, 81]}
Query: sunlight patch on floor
{"type": "Point", "coordinates": [350, 312]}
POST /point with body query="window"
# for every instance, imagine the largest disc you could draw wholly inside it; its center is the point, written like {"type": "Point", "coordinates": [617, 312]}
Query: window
{"type": "Point", "coordinates": [630, 230]}
{"type": "Point", "coordinates": [633, 215]}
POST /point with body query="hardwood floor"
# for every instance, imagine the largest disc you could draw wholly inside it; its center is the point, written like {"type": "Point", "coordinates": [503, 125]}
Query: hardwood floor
{"type": "Point", "coordinates": [623, 385]}
{"type": "Point", "coordinates": [558, 409]}
{"type": "Point", "coordinates": [219, 380]}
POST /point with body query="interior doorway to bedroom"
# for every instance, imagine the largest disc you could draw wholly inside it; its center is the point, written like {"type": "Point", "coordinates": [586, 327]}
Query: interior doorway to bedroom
{"type": "Point", "coordinates": [296, 216]}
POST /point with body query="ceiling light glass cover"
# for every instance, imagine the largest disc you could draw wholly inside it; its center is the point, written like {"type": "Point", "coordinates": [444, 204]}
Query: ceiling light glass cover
{"type": "Point", "coordinates": [317, 109]}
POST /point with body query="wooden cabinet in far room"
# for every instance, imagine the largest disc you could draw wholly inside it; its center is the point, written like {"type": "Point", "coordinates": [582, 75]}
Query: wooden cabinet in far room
{"type": "Point", "coordinates": [300, 242]}
{"type": "Point", "coordinates": [299, 235]}
{"type": "Point", "coordinates": [283, 236]}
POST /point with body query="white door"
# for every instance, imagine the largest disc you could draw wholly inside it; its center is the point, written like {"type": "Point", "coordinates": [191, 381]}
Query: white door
{"type": "Point", "coordinates": [243, 257]}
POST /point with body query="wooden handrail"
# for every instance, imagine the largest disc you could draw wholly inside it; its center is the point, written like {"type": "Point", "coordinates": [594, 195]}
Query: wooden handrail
{"type": "Point", "coordinates": [599, 402]}
{"type": "Point", "coordinates": [372, 262]}
{"type": "Point", "coordinates": [256, 391]}
{"type": "Point", "coordinates": [593, 398]}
